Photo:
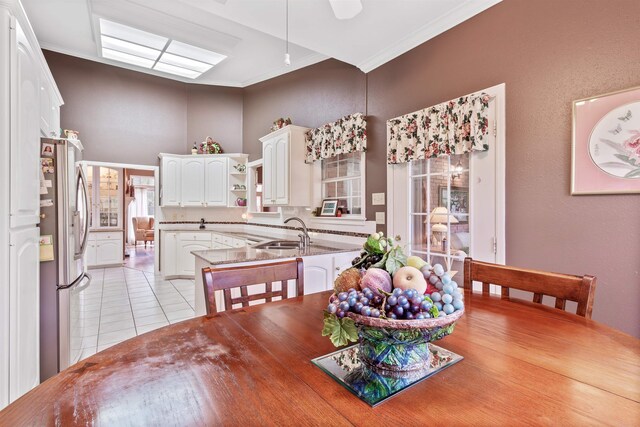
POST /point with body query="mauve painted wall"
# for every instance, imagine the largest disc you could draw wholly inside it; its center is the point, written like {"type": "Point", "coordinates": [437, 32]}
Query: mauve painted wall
{"type": "Point", "coordinates": [548, 53]}
{"type": "Point", "coordinates": [312, 96]}
{"type": "Point", "coordinates": [217, 112]}
{"type": "Point", "coordinates": [130, 117]}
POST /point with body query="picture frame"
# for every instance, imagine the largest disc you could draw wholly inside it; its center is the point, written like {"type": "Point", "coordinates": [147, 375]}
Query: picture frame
{"type": "Point", "coordinates": [459, 202]}
{"type": "Point", "coordinates": [329, 207]}
{"type": "Point", "coordinates": [605, 144]}
{"type": "Point", "coordinates": [48, 149]}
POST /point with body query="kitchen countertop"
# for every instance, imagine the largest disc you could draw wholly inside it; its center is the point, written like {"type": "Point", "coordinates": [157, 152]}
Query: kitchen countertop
{"type": "Point", "coordinates": [249, 253]}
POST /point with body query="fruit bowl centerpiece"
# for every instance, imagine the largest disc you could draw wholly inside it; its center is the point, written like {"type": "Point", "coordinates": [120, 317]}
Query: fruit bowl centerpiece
{"type": "Point", "coordinates": [394, 306]}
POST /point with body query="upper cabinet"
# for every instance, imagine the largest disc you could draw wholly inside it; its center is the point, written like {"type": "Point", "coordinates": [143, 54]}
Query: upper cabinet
{"type": "Point", "coordinates": [213, 180]}
{"type": "Point", "coordinates": [286, 177]}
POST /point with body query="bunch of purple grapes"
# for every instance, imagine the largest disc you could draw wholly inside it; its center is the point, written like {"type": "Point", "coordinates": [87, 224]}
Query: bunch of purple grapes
{"type": "Point", "coordinates": [407, 304]}
{"type": "Point", "coordinates": [363, 302]}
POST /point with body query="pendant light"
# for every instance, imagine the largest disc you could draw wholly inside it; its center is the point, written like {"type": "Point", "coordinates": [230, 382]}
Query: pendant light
{"type": "Point", "coordinates": [287, 57]}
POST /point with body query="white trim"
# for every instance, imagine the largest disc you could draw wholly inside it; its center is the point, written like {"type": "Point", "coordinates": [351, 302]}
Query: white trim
{"type": "Point", "coordinates": [429, 30]}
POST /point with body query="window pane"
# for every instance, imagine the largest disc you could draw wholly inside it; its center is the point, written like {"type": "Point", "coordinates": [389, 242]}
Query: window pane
{"type": "Point", "coordinates": [419, 195]}
{"type": "Point", "coordinates": [329, 169]}
{"type": "Point", "coordinates": [419, 167]}
{"type": "Point", "coordinates": [419, 237]}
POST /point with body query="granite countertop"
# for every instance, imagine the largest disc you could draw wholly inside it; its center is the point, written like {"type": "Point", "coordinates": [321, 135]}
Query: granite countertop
{"type": "Point", "coordinates": [249, 253]}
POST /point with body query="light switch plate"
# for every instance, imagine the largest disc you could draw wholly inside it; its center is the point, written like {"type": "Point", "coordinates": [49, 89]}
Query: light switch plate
{"type": "Point", "coordinates": [380, 217]}
{"type": "Point", "coordinates": [377, 199]}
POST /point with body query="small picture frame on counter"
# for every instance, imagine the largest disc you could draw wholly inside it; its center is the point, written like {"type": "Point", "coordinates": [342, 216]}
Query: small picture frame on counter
{"type": "Point", "coordinates": [329, 207]}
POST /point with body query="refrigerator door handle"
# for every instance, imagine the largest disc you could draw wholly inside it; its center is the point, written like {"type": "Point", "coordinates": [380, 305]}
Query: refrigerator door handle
{"type": "Point", "coordinates": [82, 181]}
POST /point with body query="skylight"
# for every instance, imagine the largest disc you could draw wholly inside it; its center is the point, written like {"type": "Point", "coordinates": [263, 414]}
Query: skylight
{"type": "Point", "coordinates": [147, 50]}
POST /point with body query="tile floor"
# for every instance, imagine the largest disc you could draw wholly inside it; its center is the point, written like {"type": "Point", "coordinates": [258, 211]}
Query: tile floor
{"type": "Point", "coordinates": [123, 302]}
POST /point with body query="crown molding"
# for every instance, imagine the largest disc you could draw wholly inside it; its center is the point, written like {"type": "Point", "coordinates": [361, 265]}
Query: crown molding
{"type": "Point", "coordinates": [431, 29]}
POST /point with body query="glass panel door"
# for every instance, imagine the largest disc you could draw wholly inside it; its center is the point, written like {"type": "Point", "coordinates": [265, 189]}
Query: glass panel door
{"type": "Point", "coordinates": [439, 210]}
{"type": "Point", "coordinates": [109, 209]}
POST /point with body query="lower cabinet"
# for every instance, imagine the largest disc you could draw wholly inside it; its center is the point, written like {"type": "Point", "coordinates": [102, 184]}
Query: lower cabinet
{"type": "Point", "coordinates": [24, 294]}
{"type": "Point", "coordinates": [320, 271]}
{"type": "Point", "coordinates": [188, 242]}
{"type": "Point", "coordinates": [104, 249]}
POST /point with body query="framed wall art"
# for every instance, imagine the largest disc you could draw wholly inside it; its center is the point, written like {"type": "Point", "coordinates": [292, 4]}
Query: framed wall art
{"type": "Point", "coordinates": [606, 144]}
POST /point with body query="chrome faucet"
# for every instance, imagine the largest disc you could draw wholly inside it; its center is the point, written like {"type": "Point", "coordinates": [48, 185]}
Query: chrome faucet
{"type": "Point", "coordinates": [305, 240]}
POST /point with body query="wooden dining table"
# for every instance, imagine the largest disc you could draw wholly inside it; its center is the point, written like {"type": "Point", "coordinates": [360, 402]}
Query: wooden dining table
{"type": "Point", "coordinates": [523, 365]}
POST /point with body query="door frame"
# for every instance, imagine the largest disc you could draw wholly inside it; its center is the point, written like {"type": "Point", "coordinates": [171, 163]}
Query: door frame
{"type": "Point", "coordinates": [158, 212]}
{"type": "Point", "coordinates": [399, 185]}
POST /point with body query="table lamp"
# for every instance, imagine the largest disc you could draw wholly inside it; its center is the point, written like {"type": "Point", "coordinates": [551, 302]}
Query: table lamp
{"type": "Point", "coordinates": [439, 218]}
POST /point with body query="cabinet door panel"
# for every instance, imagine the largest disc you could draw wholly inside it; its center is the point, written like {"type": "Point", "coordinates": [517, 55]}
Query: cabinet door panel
{"type": "Point", "coordinates": [318, 276]}
{"type": "Point", "coordinates": [25, 141]}
{"type": "Point", "coordinates": [24, 335]}
{"type": "Point", "coordinates": [216, 182]}
{"type": "Point", "coordinates": [187, 261]}
{"type": "Point", "coordinates": [342, 261]}
{"type": "Point", "coordinates": [45, 108]}
{"type": "Point", "coordinates": [109, 252]}
{"type": "Point", "coordinates": [171, 174]}
{"type": "Point", "coordinates": [169, 254]}
{"type": "Point", "coordinates": [192, 182]}
{"type": "Point", "coordinates": [267, 173]}
{"type": "Point", "coordinates": [90, 254]}
{"type": "Point", "coordinates": [281, 170]}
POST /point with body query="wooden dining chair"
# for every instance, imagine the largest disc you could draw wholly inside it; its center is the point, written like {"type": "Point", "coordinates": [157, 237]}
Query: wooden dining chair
{"type": "Point", "coordinates": [225, 279]}
{"type": "Point", "coordinates": [563, 287]}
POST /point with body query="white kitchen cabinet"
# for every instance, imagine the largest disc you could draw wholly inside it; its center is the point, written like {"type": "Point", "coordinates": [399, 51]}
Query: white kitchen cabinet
{"type": "Point", "coordinates": [216, 181]}
{"type": "Point", "coordinates": [188, 242]}
{"type": "Point", "coordinates": [104, 249]}
{"type": "Point", "coordinates": [192, 183]}
{"type": "Point", "coordinates": [25, 141]}
{"type": "Point", "coordinates": [24, 335]}
{"type": "Point", "coordinates": [170, 180]}
{"type": "Point", "coordinates": [202, 180]}
{"type": "Point", "coordinates": [286, 176]}
{"type": "Point", "coordinates": [169, 245]}
{"type": "Point", "coordinates": [320, 271]}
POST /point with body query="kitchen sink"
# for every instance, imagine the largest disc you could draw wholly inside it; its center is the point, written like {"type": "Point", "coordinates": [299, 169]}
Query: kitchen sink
{"type": "Point", "coordinates": [278, 244]}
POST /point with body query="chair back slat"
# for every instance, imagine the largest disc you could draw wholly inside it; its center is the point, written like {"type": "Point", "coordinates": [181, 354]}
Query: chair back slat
{"type": "Point", "coordinates": [226, 279]}
{"type": "Point", "coordinates": [563, 287]}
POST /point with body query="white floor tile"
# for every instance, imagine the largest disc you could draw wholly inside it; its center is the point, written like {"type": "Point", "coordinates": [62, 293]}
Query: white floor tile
{"type": "Point", "coordinates": [144, 304]}
{"type": "Point", "coordinates": [90, 341]}
{"type": "Point", "coordinates": [147, 320]}
{"type": "Point", "coordinates": [116, 336]}
{"type": "Point", "coordinates": [91, 330]}
{"type": "Point", "coordinates": [175, 307]}
{"type": "Point", "coordinates": [106, 346]}
{"type": "Point", "coordinates": [142, 298]}
{"type": "Point", "coordinates": [106, 318]}
{"type": "Point", "coordinates": [143, 312]}
{"type": "Point", "coordinates": [180, 319]}
{"type": "Point", "coordinates": [182, 314]}
{"type": "Point", "coordinates": [90, 351]}
{"type": "Point", "coordinates": [122, 308]}
{"type": "Point", "coordinates": [118, 325]}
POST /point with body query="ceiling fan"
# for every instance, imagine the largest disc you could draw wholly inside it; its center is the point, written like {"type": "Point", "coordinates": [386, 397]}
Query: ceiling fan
{"type": "Point", "coordinates": [346, 9]}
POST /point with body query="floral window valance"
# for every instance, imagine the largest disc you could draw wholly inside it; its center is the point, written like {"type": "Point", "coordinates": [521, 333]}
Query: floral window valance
{"type": "Point", "coordinates": [454, 127]}
{"type": "Point", "coordinates": [347, 135]}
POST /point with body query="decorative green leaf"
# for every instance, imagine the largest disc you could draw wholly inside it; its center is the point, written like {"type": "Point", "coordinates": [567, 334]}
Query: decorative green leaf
{"type": "Point", "coordinates": [396, 260]}
{"type": "Point", "coordinates": [626, 159]}
{"type": "Point", "coordinates": [339, 331]}
{"type": "Point", "coordinates": [633, 173]}
{"type": "Point", "coordinates": [382, 262]}
{"type": "Point", "coordinates": [434, 311]}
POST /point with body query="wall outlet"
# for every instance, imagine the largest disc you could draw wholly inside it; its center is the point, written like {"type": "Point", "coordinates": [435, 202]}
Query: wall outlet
{"type": "Point", "coordinates": [377, 199]}
{"type": "Point", "coordinates": [380, 217]}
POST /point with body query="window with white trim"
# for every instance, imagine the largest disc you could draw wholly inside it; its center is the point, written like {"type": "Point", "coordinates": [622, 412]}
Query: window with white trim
{"type": "Point", "coordinates": [343, 179]}
{"type": "Point", "coordinates": [440, 209]}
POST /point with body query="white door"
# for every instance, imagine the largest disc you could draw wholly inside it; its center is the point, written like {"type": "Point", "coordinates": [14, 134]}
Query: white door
{"type": "Point", "coordinates": [215, 189]}
{"type": "Point", "coordinates": [318, 274]}
{"type": "Point", "coordinates": [342, 261]}
{"type": "Point", "coordinates": [281, 170]}
{"type": "Point", "coordinates": [268, 165]}
{"type": "Point", "coordinates": [169, 253]}
{"type": "Point", "coordinates": [25, 141]}
{"type": "Point", "coordinates": [90, 255]}
{"type": "Point", "coordinates": [171, 173]}
{"type": "Point", "coordinates": [109, 252]}
{"type": "Point", "coordinates": [187, 261]}
{"type": "Point", "coordinates": [192, 182]}
{"type": "Point", "coordinates": [24, 335]}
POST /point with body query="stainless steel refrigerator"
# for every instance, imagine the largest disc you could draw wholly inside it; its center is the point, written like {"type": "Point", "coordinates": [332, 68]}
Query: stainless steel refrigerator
{"type": "Point", "coordinates": [64, 224]}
